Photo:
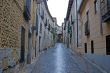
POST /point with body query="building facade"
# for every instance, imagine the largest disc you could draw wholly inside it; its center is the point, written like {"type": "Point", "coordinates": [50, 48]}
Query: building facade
{"type": "Point", "coordinates": [95, 26]}
{"type": "Point", "coordinates": [18, 32]}
{"type": "Point", "coordinates": [72, 26]}
{"type": "Point", "coordinates": [86, 26]}
{"type": "Point", "coordinates": [45, 27]}
{"type": "Point", "coordinates": [64, 30]}
{"type": "Point", "coordinates": [32, 32]}
{"type": "Point", "coordinates": [59, 34]}
{"type": "Point", "coordinates": [13, 33]}
{"type": "Point", "coordinates": [55, 30]}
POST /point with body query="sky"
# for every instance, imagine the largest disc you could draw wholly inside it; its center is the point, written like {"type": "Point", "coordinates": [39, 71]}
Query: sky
{"type": "Point", "coordinates": [58, 9]}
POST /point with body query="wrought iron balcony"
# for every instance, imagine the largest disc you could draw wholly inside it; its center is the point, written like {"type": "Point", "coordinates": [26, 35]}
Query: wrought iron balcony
{"type": "Point", "coordinates": [69, 29]}
{"type": "Point", "coordinates": [105, 10]}
{"type": "Point", "coordinates": [72, 22]}
{"type": "Point", "coordinates": [87, 30]}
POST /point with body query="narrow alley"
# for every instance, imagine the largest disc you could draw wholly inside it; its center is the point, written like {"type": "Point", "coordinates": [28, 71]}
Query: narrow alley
{"type": "Point", "coordinates": [54, 36]}
{"type": "Point", "coordinates": [60, 59]}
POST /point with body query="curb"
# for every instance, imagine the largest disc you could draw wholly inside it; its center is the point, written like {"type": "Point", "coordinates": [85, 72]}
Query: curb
{"type": "Point", "coordinates": [89, 61]}
{"type": "Point", "coordinates": [35, 63]}
{"type": "Point", "coordinates": [98, 67]}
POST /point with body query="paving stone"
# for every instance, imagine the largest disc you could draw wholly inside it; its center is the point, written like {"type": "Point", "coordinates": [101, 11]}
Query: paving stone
{"type": "Point", "coordinates": [59, 59]}
{"type": "Point", "coordinates": [56, 60]}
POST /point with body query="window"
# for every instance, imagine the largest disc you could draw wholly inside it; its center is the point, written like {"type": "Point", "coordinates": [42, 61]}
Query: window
{"type": "Point", "coordinates": [85, 47]}
{"type": "Point", "coordinates": [108, 4]}
{"type": "Point", "coordinates": [92, 47]}
{"type": "Point", "coordinates": [71, 19]}
{"type": "Point", "coordinates": [49, 27]}
{"type": "Point", "coordinates": [26, 12]}
{"type": "Point", "coordinates": [36, 24]}
{"type": "Point", "coordinates": [87, 26]}
{"type": "Point", "coordinates": [69, 28]}
{"type": "Point", "coordinates": [108, 45]}
{"type": "Point", "coordinates": [87, 15]}
{"type": "Point", "coordinates": [70, 34]}
{"type": "Point", "coordinates": [42, 14]}
{"type": "Point", "coordinates": [95, 6]}
{"type": "Point", "coordinates": [46, 23]}
{"type": "Point", "coordinates": [105, 10]}
{"type": "Point", "coordinates": [40, 28]}
{"type": "Point", "coordinates": [70, 31]}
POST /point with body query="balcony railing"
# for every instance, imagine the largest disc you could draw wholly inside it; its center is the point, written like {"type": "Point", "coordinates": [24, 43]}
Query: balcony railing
{"type": "Point", "coordinates": [105, 10]}
{"type": "Point", "coordinates": [72, 22]}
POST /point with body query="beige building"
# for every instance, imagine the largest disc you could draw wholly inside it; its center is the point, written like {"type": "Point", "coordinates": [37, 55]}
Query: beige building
{"type": "Point", "coordinates": [17, 26]}
{"type": "Point", "coordinates": [72, 30]}
{"type": "Point", "coordinates": [55, 30]}
{"type": "Point", "coordinates": [64, 30]}
{"type": "Point", "coordinates": [45, 26]}
{"type": "Point", "coordinates": [95, 26]}
{"type": "Point", "coordinates": [33, 30]}
{"type": "Point", "coordinates": [13, 33]}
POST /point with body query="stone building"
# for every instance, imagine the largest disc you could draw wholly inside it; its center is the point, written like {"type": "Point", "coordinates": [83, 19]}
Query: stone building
{"type": "Point", "coordinates": [13, 33]}
{"type": "Point", "coordinates": [72, 26]}
{"type": "Point", "coordinates": [95, 17]}
{"type": "Point", "coordinates": [17, 32]}
{"type": "Point", "coordinates": [64, 32]}
{"type": "Point", "coordinates": [45, 26]}
{"type": "Point", "coordinates": [59, 34]}
{"type": "Point", "coordinates": [33, 30]}
{"type": "Point", "coordinates": [55, 30]}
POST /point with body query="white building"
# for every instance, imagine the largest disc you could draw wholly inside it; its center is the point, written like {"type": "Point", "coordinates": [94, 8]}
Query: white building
{"type": "Point", "coordinates": [72, 25]}
{"type": "Point", "coordinates": [45, 26]}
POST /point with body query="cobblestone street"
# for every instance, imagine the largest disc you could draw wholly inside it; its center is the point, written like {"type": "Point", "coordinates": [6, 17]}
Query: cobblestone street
{"type": "Point", "coordinates": [60, 60]}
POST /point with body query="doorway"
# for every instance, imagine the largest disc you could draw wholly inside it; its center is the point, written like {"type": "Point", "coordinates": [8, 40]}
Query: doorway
{"type": "Point", "coordinates": [108, 45]}
{"type": "Point", "coordinates": [92, 47]}
{"type": "Point", "coordinates": [39, 42]}
{"type": "Point", "coordinates": [22, 53]}
{"type": "Point", "coordinates": [85, 44]}
{"type": "Point", "coordinates": [35, 48]}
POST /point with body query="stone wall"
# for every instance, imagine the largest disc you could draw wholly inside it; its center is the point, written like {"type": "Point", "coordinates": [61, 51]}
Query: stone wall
{"type": "Point", "coordinates": [11, 20]}
{"type": "Point", "coordinates": [95, 29]}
